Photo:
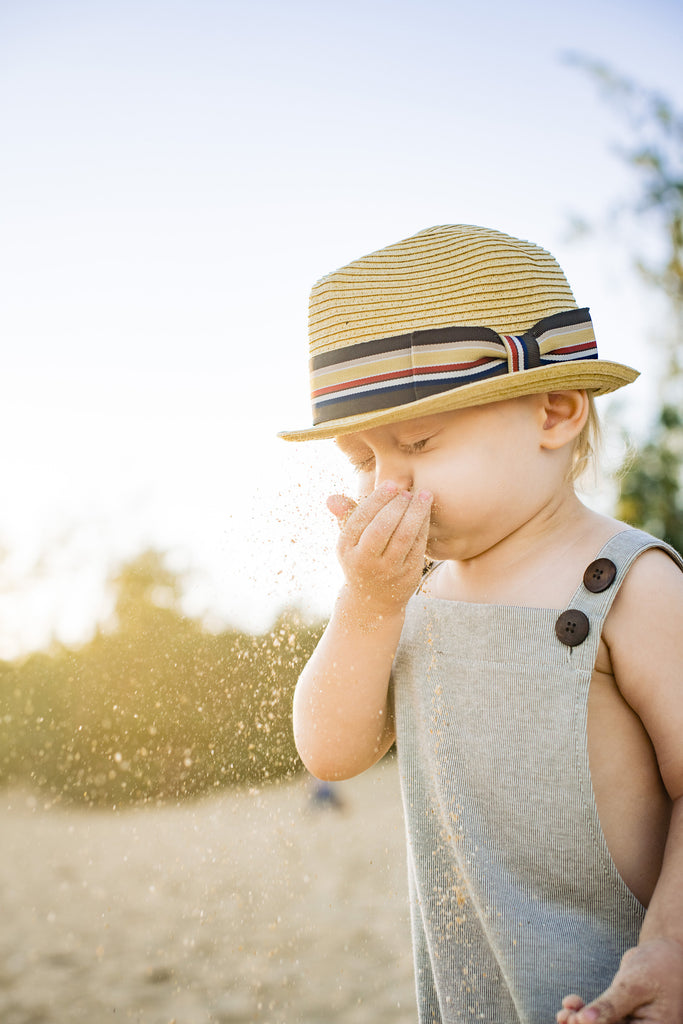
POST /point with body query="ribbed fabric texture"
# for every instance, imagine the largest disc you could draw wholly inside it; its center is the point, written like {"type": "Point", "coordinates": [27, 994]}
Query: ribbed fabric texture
{"type": "Point", "coordinates": [453, 274]}
{"type": "Point", "coordinates": [515, 899]}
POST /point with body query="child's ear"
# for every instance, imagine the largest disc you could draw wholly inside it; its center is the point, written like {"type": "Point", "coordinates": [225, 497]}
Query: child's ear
{"type": "Point", "coordinates": [564, 415]}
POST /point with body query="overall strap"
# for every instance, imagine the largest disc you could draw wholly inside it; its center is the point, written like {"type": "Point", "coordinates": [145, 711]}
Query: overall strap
{"type": "Point", "coordinates": [592, 600]}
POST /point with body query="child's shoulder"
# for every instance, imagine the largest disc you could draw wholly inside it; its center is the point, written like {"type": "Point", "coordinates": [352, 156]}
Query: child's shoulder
{"type": "Point", "coordinates": [653, 584]}
{"type": "Point", "coordinates": [650, 565]}
{"type": "Point", "coordinates": [643, 630]}
{"type": "Point", "coordinates": [654, 578]}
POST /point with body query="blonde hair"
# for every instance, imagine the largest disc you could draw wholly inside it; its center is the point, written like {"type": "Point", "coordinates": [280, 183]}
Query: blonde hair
{"type": "Point", "coordinates": [587, 444]}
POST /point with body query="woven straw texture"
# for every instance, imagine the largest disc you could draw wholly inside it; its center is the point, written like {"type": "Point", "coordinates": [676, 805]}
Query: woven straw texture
{"type": "Point", "coordinates": [446, 275]}
{"type": "Point", "coordinates": [454, 275]}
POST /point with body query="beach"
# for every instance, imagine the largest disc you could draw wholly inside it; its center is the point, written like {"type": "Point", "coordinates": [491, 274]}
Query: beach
{"type": "Point", "coordinates": [254, 905]}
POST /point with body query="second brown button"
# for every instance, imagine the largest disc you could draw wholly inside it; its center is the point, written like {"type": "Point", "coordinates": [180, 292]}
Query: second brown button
{"type": "Point", "coordinates": [572, 627]}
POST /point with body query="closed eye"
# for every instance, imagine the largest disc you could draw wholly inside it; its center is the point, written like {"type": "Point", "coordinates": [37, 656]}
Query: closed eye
{"type": "Point", "coordinates": [364, 465]}
{"type": "Point", "coordinates": [359, 454]}
{"type": "Point", "coordinates": [416, 446]}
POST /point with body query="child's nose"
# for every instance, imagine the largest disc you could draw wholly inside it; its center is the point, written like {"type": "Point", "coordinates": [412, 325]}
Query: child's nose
{"type": "Point", "coordinates": [395, 471]}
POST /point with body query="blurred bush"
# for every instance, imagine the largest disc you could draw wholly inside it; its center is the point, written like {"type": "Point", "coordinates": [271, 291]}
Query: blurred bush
{"type": "Point", "coordinates": [156, 708]}
{"type": "Point", "coordinates": [650, 480]}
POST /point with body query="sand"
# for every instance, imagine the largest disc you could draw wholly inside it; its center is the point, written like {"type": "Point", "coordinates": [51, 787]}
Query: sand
{"type": "Point", "coordinates": [252, 905]}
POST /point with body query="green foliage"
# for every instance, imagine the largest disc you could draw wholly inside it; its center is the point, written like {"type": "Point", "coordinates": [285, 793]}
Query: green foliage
{"type": "Point", "coordinates": [155, 709]}
{"type": "Point", "coordinates": [651, 480]}
{"type": "Point", "coordinates": [650, 493]}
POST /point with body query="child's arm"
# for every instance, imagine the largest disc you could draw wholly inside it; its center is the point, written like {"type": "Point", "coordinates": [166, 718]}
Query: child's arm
{"type": "Point", "coordinates": [343, 720]}
{"type": "Point", "coordinates": [645, 638]}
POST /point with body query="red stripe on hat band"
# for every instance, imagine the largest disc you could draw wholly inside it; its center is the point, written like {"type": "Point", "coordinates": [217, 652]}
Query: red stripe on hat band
{"type": "Point", "coordinates": [568, 349]}
{"type": "Point", "coordinates": [421, 371]}
{"type": "Point", "coordinates": [513, 349]}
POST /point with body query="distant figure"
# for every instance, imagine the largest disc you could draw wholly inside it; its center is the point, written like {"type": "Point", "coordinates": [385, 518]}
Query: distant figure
{"type": "Point", "coordinates": [325, 794]}
{"type": "Point", "coordinates": [532, 679]}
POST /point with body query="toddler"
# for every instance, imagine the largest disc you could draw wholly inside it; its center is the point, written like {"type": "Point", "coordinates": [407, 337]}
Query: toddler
{"type": "Point", "coordinates": [532, 675]}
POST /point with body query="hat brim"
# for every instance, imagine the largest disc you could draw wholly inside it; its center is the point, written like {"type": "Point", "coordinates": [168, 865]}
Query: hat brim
{"type": "Point", "coordinates": [597, 375]}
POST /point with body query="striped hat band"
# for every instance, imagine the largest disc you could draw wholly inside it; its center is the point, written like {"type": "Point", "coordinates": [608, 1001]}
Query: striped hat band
{"type": "Point", "coordinates": [390, 372]}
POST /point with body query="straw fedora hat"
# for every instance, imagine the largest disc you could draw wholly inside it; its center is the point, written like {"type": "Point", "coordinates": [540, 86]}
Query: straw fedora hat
{"type": "Point", "coordinates": [451, 317]}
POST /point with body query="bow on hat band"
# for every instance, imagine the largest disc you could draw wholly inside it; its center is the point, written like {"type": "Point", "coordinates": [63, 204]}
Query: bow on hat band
{"type": "Point", "coordinates": [390, 372]}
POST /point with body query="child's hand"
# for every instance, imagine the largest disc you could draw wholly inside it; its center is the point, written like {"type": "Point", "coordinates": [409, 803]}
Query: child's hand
{"type": "Point", "coordinates": [648, 987]}
{"type": "Point", "coordinates": [382, 544]}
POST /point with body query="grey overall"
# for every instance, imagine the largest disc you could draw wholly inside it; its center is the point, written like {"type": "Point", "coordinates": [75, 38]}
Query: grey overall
{"type": "Point", "coordinates": [515, 899]}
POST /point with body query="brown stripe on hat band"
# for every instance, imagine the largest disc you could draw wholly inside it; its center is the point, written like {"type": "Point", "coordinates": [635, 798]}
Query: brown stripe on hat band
{"type": "Point", "coordinates": [390, 372]}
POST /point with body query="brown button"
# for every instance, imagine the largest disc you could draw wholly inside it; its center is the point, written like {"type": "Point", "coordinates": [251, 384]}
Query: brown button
{"type": "Point", "coordinates": [599, 575]}
{"type": "Point", "coordinates": [572, 627]}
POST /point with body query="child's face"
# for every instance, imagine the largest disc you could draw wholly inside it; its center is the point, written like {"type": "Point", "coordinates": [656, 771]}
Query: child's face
{"type": "Point", "coordinates": [485, 466]}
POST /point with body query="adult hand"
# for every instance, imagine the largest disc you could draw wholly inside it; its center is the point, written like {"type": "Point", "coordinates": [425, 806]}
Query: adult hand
{"type": "Point", "coordinates": [648, 987]}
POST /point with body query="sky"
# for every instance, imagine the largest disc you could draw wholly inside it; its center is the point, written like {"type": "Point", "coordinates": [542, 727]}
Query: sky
{"type": "Point", "coordinates": [175, 176]}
